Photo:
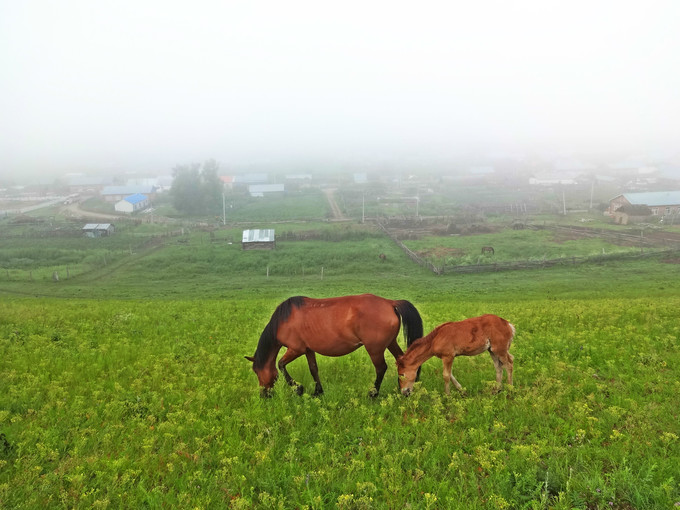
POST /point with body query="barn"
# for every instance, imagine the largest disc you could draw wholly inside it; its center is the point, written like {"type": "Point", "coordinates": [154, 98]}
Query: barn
{"type": "Point", "coordinates": [133, 203]}
{"type": "Point", "coordinates": [659, 203]}
{"type": "Point", "coordinates": [263, 239]}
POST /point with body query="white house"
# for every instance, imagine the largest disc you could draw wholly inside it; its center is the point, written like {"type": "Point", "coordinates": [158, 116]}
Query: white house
{"type": "Point", "coordinates": [132, 203]}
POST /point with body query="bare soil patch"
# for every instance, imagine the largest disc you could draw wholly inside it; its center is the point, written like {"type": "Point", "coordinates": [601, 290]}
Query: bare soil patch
{"type": "Point", "coordinates": [440, 252]}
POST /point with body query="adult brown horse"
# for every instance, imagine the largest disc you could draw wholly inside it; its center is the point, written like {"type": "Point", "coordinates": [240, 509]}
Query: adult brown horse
{"type": "Point", "coordinates": [333, 327]}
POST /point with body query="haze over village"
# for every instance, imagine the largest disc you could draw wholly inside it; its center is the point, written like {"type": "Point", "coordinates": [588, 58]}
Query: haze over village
{"type": "Point", "coordinates": [129, 91]}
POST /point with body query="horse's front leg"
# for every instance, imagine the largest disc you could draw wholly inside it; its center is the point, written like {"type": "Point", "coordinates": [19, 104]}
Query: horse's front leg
{"type": "Point", "coordinates": [289, 356]}
{"type": "Point", "coordinates": [314, 369]}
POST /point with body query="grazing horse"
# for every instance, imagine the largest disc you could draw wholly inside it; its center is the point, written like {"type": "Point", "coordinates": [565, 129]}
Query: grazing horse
{"type": "Point", "coordinates": [382, 257]}
{"type": "Point", "coordinates": [464, 338]}
{"type": "Point", "coordinates": [487, 249]}
{"type": "Point", "coordinates": [333, 327]}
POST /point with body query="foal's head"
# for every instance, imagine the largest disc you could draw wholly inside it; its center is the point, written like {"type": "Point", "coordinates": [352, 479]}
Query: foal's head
{"type": "Point", "coordinates": [407, 376]}
{"type": "Point", "coordinates": [266, 375]}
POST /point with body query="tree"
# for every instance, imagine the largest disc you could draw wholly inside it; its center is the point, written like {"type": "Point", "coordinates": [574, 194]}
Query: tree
{"type": "Point", "coordinates": [197, 190]}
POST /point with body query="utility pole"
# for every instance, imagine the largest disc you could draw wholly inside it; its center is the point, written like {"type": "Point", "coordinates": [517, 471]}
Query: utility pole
{"type": "Point", "coordinates": [224, 211]}
{"type": "Point", "coordinates": [363, 207]}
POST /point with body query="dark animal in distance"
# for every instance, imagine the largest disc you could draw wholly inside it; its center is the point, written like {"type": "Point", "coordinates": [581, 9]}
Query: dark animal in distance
{"type": "Point", "coordinates": [468, 337]}
{"type": "Point", "coordinates": [488, 249]}
{"type": "Point", "coordinates": [333, 327]}
{"type": "Point", "coordinates": [382, 257]}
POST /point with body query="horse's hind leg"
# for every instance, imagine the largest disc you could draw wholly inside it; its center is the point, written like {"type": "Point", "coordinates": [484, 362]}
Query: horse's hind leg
{"type": "Point", "coordinates": [380, 365]}
{"type": "Point", "coordinates": [314, 369]}
{"type": "Point", "coordinates": [396, 352]}
{"type": "Point", "coordinates": [289, 356]}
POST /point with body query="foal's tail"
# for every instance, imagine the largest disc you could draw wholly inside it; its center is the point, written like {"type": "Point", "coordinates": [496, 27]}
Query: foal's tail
{"type": "Point", "coordinates": [410, 320]}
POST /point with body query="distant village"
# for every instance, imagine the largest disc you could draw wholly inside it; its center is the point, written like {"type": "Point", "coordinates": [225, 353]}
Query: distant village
{"type": "Point", "coordinates": [642, 190]}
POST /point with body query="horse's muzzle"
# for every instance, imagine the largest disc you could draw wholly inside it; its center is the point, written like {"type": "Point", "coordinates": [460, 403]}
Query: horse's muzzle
{"type": "Point", "coordinates": [406, 392]}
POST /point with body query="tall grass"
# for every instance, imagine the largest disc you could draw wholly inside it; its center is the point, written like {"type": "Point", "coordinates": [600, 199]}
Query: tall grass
{"type": "Point", "coordinates": [147, 403]}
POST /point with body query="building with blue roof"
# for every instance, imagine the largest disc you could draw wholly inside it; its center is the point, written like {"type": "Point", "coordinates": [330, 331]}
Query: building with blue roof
{"type": "Point", "coordinates": [133, 203]}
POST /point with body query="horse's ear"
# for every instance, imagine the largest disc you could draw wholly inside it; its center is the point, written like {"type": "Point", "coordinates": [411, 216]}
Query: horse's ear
{"type": "Point", "coordinates": [249, 358]}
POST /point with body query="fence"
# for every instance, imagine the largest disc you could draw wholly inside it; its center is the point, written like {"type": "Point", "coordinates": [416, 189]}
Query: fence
{"type": "Point", "coordinates": [618, 237]}
{"type": "Point", "coordinates": [541, 264]}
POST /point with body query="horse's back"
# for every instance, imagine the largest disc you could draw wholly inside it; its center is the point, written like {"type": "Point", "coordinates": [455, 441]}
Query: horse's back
{"type": "Point", "coordinates": [336, 326]}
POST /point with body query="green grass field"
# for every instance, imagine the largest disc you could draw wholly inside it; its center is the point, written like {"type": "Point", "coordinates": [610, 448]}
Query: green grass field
{"type": "Point", "coordinates": [125, 386]}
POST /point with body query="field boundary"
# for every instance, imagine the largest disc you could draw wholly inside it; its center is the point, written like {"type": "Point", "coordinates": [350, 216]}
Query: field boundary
{"type": "Point", "coordinates": [648, 243]}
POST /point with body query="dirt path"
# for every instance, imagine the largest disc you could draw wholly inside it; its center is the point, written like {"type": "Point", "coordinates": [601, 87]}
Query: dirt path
{"type": "Point", "coordinates": [335, 209]}
{"type": "Point", "coordinates": [75, 211]}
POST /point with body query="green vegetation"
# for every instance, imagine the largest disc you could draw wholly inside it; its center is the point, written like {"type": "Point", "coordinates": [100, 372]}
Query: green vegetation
{"type": "Point", "coordinates": [124, 384]}
{"type": "Point", "coordinates": [510, 245]}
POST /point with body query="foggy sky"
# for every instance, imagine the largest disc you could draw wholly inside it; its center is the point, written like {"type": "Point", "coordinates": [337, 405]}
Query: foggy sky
{"type": "Point", "coordinates": [154, 83]}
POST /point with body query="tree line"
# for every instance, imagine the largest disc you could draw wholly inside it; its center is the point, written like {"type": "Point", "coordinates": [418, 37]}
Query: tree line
{"type": "Point", "coordinates": [197, 188]}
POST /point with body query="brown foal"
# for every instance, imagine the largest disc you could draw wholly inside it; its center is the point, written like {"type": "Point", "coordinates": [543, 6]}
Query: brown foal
{"type": "Point", "coordinates": [468, 337]}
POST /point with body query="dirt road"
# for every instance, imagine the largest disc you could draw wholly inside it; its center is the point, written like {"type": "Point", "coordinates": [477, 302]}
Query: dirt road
{"type": "Point", "coordinates": [335, 209]}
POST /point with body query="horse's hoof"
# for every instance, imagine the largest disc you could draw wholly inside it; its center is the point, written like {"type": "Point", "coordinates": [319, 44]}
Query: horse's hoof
{"type": "Point", "coordinates": [299, 389]}
{"type": "Point", "coordinates": [317, 393]}
{"type": "Point", "coordinates": [266, 393]}
{"type": "Point", "coordinates": [373, 393]}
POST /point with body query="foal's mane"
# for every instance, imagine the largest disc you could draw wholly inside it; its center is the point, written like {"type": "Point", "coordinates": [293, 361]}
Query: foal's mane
{"type": "Point", "coordinates": [268, 339]}
{"type": "Point", "coordinates": [421, 345]}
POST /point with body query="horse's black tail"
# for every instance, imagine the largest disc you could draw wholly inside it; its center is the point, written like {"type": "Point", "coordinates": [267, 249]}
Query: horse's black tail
{"type": "Point", "coordinates": [268, 340]}
{"type": "Point", "coordinates": [411, 322]}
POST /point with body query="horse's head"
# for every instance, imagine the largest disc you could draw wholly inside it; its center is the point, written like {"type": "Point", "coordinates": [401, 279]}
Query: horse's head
{"type": "Point", "coordinates": [266, 375]}
{"type": "Point", "coordinates": [407, 376]}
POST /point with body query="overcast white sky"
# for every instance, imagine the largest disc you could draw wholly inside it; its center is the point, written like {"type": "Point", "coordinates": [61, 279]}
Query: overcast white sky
{"type": "Point", "coordinates": [89, 84]}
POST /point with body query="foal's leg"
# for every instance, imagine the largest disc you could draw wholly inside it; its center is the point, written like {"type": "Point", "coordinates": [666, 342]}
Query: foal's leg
{"type": "Point", "coordinates": [314, 369]}
{"type": "Point", "coordinates": [289, 356]}
{"type": "Point", "coordinates": [447, 373]}
{"type": "Point", "coordinates": [499, 369]}
{"type": "Point", "coordinates": [508, 360]}
{"type": "Point", "coordinates": [503, 360]}
{"type": "Point", "coordinates": [447, 363]}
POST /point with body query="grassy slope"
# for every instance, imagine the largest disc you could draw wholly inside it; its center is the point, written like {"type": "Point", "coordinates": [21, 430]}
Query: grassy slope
{"type": "Point", "coordinates": [127, 388]}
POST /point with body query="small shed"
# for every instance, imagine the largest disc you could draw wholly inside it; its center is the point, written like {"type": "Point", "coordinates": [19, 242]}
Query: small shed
{"type": "Point", "coordinates": [133, 203]}
{"type": "Point", "coordinates": [98, 229]}
{"type": "Point", "coordinates": [263, 239]}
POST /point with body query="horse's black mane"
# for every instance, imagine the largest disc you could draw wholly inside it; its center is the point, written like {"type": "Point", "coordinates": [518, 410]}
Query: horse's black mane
{"type": "Point", "coordinates": [268, 339]}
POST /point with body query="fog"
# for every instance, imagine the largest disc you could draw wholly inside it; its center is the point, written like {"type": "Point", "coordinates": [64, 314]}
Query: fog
{"type": "Point", "coordinates": [143, 86]}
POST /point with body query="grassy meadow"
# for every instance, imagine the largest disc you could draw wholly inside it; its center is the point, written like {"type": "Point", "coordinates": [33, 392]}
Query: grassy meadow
{"type": "Point", "coordinates": [124, 385]}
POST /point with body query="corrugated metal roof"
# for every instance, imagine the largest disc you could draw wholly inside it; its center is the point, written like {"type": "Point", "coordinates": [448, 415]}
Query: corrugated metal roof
{"type": "Point", "coordinates": [258, 236]}
{"type": "Point", "coordinates": [654, 198]}
{"type": "Point", "coordinates": [97, 226]}
{"type": "Point", "coordinates": [136, 198]}
{"type": "Point", "coordinates": [266, 188]}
